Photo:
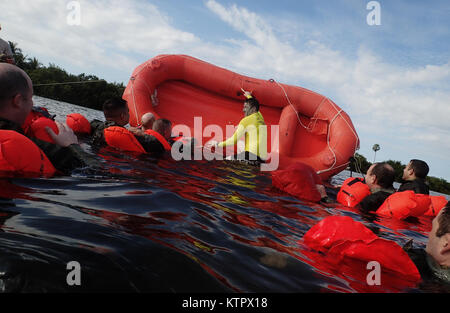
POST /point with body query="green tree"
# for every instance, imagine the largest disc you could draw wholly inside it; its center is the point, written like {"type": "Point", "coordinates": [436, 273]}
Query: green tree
{"type": "Point", "coordinates": [359, 164]}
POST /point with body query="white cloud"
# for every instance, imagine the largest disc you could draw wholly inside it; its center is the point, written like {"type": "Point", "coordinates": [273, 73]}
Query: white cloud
{"type": "Point", "coordinates": [110, 31]}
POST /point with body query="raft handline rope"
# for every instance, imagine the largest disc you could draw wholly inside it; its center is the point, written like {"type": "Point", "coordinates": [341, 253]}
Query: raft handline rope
{"type": "Point", "coordinates": [329, 127]}
{"type": "Point", "coordinates": [68, 83]}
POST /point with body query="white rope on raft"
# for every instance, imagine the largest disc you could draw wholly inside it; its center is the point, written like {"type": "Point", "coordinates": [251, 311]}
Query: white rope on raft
{"type": "Point", "coordinates": [69, 83]}
{"type": "Point", "coordinates": [329, 128]}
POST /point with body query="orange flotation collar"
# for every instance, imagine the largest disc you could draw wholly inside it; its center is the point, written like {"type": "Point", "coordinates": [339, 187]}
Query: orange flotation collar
{"type": "Point", "coordinates": [437, 203]}
{"type": "Point", "coordinates": [160, 138]}
{"type": "Point", "coordinates": [122, 139]}
{"type": "Point", "coordinates": [78, 123]}
{"type": "Point", "coordinates": [404, 204]}
{"type": "Point", "coordinates": [36, 122]}
{"type": "Point", "coordinates": [19, 156]}
{"type": "Point", "coordinates": [299, 180]}
{"type": "Point", "coordinates": [352, 192]}
{"type": "Point", "coordinates": [347, 246]}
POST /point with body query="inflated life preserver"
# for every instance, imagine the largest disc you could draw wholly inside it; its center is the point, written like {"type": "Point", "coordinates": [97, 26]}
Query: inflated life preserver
{"type": "Point", "coordinates": [299, 180]}
{"type": "Point", "coordinates": [437, 204]}
{"type": "Point", "coordinates": [344, 240]}
{"type": "Point", "coordinates": [334, 230]}
{"type": "Point", "coordinates": [160, 138]}
{"type": "Point", "coordinates": [78, 123]}
{"type": "Point", "coordinates": [19, 156]}
{"type": "Point", "coordinates": [36, 122]}
{"type": "Point", "coordinates": [404, 204]}
{"type": "Point", "coordinates": [122, 139]}
{"type": "Point", "coordinates": [38, 130]}
{"type": "Point", "coordinates": [352, 192]}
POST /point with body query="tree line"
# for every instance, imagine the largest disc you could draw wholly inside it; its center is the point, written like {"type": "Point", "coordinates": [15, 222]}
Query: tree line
{"type": "Point", "coordinates": [360, 164]}
{"type": "Point", "coordinates": [55, 83]}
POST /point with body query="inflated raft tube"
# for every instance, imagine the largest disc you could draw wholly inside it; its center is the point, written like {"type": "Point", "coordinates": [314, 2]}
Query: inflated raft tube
{"type": "Point", "coordinates": [312, 128]}
{"type": "Point", "coordinates": [343, 240]}
{"type": "Point", "coordinates": [20, 157]}
{"type": "Point", "coordinates": [405, 204]}
{"type": "Point", "coordinates": [298, 180]}
{"type": "Point", "coordinates": [122, 139]}
{"type": "Point", "coordinates": [352, 192]}
{"type": "Point", "coordinates": [78, 123]}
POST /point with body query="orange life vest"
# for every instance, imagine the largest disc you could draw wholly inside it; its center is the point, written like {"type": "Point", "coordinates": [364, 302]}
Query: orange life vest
{"type": "Point", "coordinates": [19, 156]}
{"type": "Point", "coordinates": [352, 192]}
{"type": "Point", "coordinates": [122, 139]}
{"type": "Point", "coordinates": [36, 122]}
{"type": "Point", "coordinates": [78, 123]}
{"type": "Point", "coordinates": [160, 138]}
{"type": "Point", "coordinates": [437, 203]}
{"type": "Point", "coordinates": [404, 204]}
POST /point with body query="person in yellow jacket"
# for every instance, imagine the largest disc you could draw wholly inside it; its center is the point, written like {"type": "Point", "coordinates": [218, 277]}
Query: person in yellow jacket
{"type": "Point", "coordinates": [255, 130]}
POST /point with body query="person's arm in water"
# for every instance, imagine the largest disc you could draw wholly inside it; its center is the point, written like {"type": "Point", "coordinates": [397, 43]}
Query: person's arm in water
{"type": "Point", "coordinates": [65, 154]}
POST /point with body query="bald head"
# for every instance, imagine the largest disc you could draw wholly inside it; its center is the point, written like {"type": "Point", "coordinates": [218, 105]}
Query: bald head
{"type": "Point", "coordinates": [380, 175]}
{"type": "Point", "coordinates": [16, 92]}
{"type": "Point", "coordinates": [147, 121]}
{"type": "Point", "coordinates": [13, 80]}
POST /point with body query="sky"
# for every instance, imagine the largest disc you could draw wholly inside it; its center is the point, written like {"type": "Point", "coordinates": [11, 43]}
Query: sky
{"type": "Point", "coordinates": [393, 79]}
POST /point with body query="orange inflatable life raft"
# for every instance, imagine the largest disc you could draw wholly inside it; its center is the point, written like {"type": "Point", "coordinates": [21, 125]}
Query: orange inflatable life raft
{"type": "Point", "coordinates": [160, 138]}
{"type": "Point", "coordinates": [19, 156]}
{"type": "Point", "coordinates": [352, 192]}
{"type": "Point", "coordinates": [404, 204]}
{"type": "Point", "coordinates": [78, 123]}
{"type": "Point", "coordinates": [122, 139]}
{"type": "Point", "coordinates": [312, 128]}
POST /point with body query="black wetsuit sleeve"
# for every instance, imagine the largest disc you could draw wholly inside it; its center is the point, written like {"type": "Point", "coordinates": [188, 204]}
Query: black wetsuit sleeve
{"type": "Point", "coordinates": [151, 144]}
{"type": "Point", "coordinates": [66, 159]}
{"type": "Point", "coordinates": [374, 201]}
{"type": "Point", "coordinates": [96, 124]}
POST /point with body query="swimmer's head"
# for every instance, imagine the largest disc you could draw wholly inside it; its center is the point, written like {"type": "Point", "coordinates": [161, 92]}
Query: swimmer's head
{"type": "Point", "coordinates": [438, 245]}
{"type": "Point", "coordinates": [116, 109]}
{"type": "Point", "coordinates": [164, 127]}
{"type": "Point", "coordinates": [147, 121]}
{"type": "Point", "coordinates": [380, 175]}
{"type": "Point", "coordinates": [250, 106]}
{"type": "Point", "coordinates": [416, 169]}
{"type": "Point", "coordinates": [16, 93]}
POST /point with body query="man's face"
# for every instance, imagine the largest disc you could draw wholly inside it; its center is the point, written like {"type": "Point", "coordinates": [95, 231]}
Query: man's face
{"type": "Point", "coordinates": [125, 117]}
{"type": "Point", "coordinates": [246, 108]}
{"type": "Point", "coordinates": [407, 172]}
{"type": "Point", "coordinates": [436, 244]}
{"type": "Point", "coordinates": [26, 101]}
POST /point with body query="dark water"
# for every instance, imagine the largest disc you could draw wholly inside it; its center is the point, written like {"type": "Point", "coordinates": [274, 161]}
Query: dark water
{"type": "Point", "coordinates": [158, 225]}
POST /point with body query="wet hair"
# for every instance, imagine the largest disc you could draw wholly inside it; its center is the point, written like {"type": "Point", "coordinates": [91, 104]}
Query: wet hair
{"type": "Point", "coordinates": [420, 168]}
{"type": "Point", "coordinates": [114, 106]}
{"type": "Point", "coordinates": [12, 82]}
{"type": "Point", "coordinates": [444, 221]}
{"type": "Point", "coordinates": [161, 125]}
{"type": "Point", "coordinates": [384, 173]}
{"type": "Point", "coordinates": [253, 103]}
